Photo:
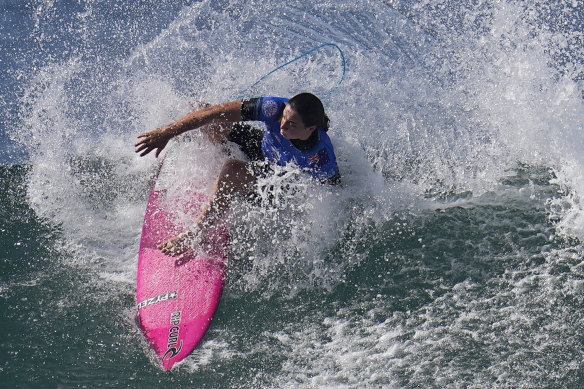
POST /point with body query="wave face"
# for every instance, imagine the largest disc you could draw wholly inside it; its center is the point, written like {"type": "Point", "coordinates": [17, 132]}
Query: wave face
{"type": "Point", "coordinates": [451, 256]}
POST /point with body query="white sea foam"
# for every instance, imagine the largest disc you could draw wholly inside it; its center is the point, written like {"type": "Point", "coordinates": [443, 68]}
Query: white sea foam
{"type": "Point", "coordinates": [429, 110]}
{"type": "Point", "coordinates": [506, 104]}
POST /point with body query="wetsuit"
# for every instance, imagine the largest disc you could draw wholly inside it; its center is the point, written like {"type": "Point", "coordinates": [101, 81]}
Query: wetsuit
{"type": "Point", "coordinates": [315, 155]}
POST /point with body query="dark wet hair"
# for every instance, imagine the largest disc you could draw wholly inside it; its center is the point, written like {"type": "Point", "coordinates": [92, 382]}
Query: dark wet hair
{"type": "Point", "coordinates": [310, 109]}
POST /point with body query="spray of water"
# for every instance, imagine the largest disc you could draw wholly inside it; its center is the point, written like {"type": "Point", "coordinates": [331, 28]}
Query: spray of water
{"type": "Point", "coordinates": [437, 101]}
{"type": "Point", "coordinates": [474, 107]}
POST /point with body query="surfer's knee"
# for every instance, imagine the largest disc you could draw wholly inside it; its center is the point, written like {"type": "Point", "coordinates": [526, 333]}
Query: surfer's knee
{"type": "Point", "coordinates": [235, 174]}
{"type": "Point", "coordinates": [234, 164]}
{"type": "Point", "coordinates": [234, 168]}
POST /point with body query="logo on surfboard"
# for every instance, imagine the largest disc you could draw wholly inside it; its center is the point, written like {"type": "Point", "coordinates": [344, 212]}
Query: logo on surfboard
{"type": "Point", "coordinates": [173, 347]}
{"type": "Point", "coordinates": [157, 299]}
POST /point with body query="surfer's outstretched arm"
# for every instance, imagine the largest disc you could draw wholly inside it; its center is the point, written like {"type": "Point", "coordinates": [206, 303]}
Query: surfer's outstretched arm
{"type": "Point", "coordinates": [221, 114]}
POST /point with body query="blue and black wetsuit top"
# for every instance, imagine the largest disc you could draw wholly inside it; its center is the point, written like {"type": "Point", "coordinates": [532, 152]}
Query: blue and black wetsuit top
{"type": "Point", "coordinates": [315, 155]}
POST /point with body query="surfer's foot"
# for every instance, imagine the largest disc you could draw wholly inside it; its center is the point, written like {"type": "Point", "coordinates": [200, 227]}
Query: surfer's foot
{"type": "Point", "coordinates": [182, 242]}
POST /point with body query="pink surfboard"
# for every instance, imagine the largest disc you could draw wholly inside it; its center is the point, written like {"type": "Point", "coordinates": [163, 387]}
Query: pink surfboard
{"type": "Point", "coordinates": [177, 297]}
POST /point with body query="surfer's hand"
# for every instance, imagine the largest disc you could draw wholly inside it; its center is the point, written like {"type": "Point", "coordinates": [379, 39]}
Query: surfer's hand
{"type": "Point", "coordinates": [156, 139]}
{"type": "Point", "coordinates": [175, 246]}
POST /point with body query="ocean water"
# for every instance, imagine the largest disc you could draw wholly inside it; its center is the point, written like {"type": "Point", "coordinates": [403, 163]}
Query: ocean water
{"type": "Point", "coordinates": [451, 256]}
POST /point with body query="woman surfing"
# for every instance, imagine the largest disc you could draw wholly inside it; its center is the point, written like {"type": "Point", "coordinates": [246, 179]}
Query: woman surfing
{"type": "Point", "coordinates": [296, 132]}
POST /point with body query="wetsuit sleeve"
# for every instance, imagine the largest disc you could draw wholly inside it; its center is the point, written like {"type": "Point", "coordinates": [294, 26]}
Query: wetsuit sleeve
{"type": "Point", "coordinates": [263, 108]}
{"type": "Point", "coordinates": [269, 109]}
{"type": "Point", "coordinates": [250, 109]}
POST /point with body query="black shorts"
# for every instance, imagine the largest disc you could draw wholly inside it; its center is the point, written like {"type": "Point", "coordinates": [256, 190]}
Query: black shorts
{"type": "Point", "coordinates": [249, 140]}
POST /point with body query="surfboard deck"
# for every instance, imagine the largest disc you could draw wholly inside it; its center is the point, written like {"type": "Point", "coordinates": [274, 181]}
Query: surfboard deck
{"type": "Point", "coordinates": [177, 297]}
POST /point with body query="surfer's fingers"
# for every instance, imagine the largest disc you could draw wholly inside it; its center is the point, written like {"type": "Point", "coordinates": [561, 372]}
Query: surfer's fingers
{"type": "Point", "coordinates": [166, 250]}
{"type": "Point", "coordinates": [145, 152]}
{"type": "Point", "coordinates": [167, 246]}
{"type": "Point", "coordinates": [174, 246]}
{"type": "Point", "coordinates": [150, 136]}
{"type": "Point", "coordinates": [144, 145]}
{"type": "Point", "coordinates": [146, 138]}
{"type": "Point", "coordinates": [171, 251]}
{"type": "Point", "coordinates": [144, 149]}
{"type": "Point", "coordinates": [141, 143]}
{"type": "Point", "coordinates": [141, 147]}
{"type": "Point", "coordinates": [149, 143]}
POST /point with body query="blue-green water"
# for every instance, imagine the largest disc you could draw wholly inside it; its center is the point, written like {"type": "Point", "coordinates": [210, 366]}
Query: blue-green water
{"type": "Point", "coordinates": [450, 257]}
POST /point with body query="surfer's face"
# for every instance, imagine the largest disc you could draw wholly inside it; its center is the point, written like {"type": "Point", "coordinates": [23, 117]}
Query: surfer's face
{"type": "Point", "coordinates": [292, 127]}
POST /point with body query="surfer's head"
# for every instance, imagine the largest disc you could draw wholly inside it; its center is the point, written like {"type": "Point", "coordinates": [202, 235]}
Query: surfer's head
{"type": "Point", "coordinates": [310, 109]}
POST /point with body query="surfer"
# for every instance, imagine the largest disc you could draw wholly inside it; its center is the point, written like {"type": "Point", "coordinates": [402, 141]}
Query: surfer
{"type": "Point", "coordinates": [296, 132]}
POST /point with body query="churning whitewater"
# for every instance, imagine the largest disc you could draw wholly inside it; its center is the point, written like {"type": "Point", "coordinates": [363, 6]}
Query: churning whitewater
{"type": "Point", "coordinates": [450, 256]}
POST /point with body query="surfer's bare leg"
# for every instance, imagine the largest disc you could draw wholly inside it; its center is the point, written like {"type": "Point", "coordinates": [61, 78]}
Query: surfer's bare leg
{"type": "Point", "coordinates": [234, 179]}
